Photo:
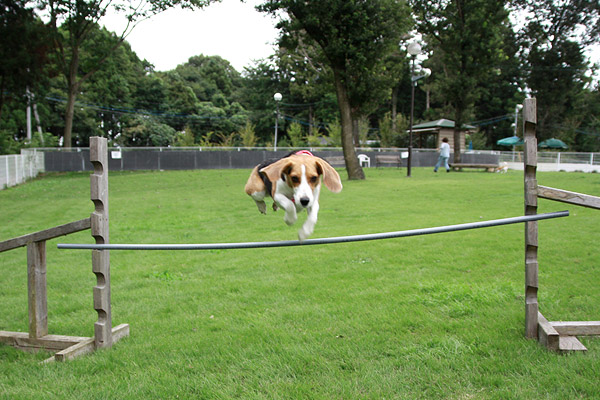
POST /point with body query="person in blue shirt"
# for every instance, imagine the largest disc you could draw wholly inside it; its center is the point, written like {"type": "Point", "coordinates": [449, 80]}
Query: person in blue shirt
{"type": "Point", "coordinates": [444, 156]}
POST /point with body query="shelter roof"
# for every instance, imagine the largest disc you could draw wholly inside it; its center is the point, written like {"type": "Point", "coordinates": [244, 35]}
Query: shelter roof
{"type": "Point", "coordinates": [440, 123]}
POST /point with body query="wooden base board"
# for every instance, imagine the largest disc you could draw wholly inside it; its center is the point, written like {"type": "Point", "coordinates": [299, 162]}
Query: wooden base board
{"type": "Point", "coordinates": [570, 343]}
{"type": "Point", "coordinates": [577, 328]}
{"type": "Point", "coordinates": [22, 341]}
{"type": "Point", "coordinates": [561, 335]}
{"type": "Point", "coordinates": [64, 347]}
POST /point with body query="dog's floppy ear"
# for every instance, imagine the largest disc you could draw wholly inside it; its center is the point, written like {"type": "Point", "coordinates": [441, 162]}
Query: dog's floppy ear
{"type": "Point", "coordinates": [274, 171]}
{"type": "Point", "coordinates": [331, 178]}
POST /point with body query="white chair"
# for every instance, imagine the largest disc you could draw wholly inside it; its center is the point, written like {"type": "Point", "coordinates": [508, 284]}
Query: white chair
{"type": "Point", "coordinates": [364, 160]}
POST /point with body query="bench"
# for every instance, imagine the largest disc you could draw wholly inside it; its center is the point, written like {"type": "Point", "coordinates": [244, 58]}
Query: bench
{"type": "Point", "coordinates": [487, 167]}
{"type": "Point", "coordinates": [339, 161]}
{"type": "Point", "coordinates": [388, 159]}
{"type": "Point", "coordinates": [336, 161]}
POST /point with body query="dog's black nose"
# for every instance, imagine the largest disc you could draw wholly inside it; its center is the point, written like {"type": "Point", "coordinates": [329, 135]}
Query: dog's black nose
{"type": "Point", "coordinates": [304, 201]}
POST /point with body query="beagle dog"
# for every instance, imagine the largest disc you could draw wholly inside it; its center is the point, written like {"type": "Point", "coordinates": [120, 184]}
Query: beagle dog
{"type": "Point", "coordinates": [294, 183]}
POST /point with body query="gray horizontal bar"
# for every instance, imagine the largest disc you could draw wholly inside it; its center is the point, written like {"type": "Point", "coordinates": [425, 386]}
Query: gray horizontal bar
{"type": "Point", "coordinates": [340, 239]}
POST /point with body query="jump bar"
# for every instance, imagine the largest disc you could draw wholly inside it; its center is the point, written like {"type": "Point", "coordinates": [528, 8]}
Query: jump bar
{"type": "Point", "coordinates": [339, 239]}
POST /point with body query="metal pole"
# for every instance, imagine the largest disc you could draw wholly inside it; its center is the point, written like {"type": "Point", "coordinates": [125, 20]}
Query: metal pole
{"type": "Point", "coordinates": [340, 239]}
{"type": "Point", "coordinates": [28, 114]}
{"type": "Point", "coordinates": [276, 126]}
{"type": "Point", "coordinates": [516, 117]}
{"type": "Point", "coordinates": [412, 111]}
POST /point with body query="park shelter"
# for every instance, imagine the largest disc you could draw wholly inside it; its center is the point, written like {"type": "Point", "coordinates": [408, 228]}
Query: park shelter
{"type": "Point", "coordinates": [430, 134]}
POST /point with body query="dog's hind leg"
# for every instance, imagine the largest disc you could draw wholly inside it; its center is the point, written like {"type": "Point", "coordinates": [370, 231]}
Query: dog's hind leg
{"type": "Point", "coordinates": [260, 202]}
{"type": "Point", "coordinates": [262, 207]}
{"type": "Point", "coordinates": [255, 188]}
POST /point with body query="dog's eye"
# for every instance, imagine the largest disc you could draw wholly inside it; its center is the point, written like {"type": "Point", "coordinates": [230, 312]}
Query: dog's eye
{"type": "Point", "coordinates": [295, 179]}
{"type": "Point", "coordinates": [313, 179]}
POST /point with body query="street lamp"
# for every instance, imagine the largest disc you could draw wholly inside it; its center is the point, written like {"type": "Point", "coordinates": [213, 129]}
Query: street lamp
{"type": "Point", "coordinates": [517, 108]}
{"type": "Point", "coordinates": [277, 97]}
{"type": "Point", "coordinates": [414, 49]}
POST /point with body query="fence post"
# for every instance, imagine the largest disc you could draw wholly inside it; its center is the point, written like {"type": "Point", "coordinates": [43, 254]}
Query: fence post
{"type": "Point", "coordinates": [36, 289]}
{"type": "Point", "coordinates": [99, 227]}
{"type": "Point", "coordinates": [531, 228]}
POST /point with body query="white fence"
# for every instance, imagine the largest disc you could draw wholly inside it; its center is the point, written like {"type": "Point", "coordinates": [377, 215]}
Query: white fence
{"type": "Point", "coordinates": [555, 161]}
{"type": "Point", "coordinates": [17, 168]}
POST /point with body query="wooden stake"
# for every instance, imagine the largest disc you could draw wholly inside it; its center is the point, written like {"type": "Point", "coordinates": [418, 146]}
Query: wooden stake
{"type": "Point", "coordinates": [36, 289]}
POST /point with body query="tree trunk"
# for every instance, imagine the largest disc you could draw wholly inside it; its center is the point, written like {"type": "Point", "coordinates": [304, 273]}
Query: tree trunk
{"type": "Point", "coordinates": [353, 168]}
{"type": "Point", "coordinates": [394, 108]}
{"type": "Point", "coordinates": [69, 113]}
{"type": "Point", "coordinates": [73, 89]}
{"type": "Point", "coordinates": [1, 95]}
{"type": "Point", "coordinates": [457, 129]}
{"type": "Point", "coordinates": [311, 120]}
{"type": "Point", "coordinates": [355, 130]}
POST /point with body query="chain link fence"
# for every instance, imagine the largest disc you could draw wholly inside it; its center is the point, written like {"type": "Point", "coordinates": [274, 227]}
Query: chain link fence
{"type": "Point", "coordinates": [16, 169]}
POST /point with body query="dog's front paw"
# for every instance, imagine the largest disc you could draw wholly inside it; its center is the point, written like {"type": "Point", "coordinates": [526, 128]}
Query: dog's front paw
{"type": "Point", "coordinates": [304, 233]}
{"type": "Point", "coordinates": [290, 218]}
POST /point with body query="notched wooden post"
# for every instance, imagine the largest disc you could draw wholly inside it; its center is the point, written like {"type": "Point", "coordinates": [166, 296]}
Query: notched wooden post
{"type": "Point", "coordinates": [99, 227]}
{"type": "Point", "coordinates": [531, 228]}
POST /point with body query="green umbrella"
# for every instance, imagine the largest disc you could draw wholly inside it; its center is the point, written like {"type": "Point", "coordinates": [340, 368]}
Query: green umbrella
{"type": "Point", "coordinates": [510, 141]}
{"type": "Point", "coordinates": [553, 144]}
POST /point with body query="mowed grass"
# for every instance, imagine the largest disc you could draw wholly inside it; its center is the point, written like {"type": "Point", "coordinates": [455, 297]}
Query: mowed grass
{"type": "Point", "coordinates": [429, 317]}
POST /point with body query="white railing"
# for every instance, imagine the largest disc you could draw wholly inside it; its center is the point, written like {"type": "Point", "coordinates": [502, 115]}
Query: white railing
{"type": "Point", "coordinates": [17, 168]}
{"type": "Point", "coordinates": [555, 161]}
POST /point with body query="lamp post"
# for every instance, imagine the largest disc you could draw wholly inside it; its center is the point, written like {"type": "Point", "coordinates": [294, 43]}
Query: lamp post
{"type": "Point", "coordinates": [277, 97]}
{"type": "Point", "coordinates": [414, 49]}
{"type": "Point", "coordinates": [517, 108]}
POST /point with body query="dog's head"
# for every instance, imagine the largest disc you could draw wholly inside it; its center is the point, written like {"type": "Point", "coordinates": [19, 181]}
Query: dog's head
{"type": "Point", "coordinates": [302, 173]}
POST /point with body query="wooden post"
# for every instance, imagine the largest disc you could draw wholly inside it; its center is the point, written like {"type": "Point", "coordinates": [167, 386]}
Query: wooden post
{"type": "Point", "coordinates": [531, 228]}
{"type": "Point", "coordinates": [36, 289]}
{"type": "Point", "coordinates": [99, 227]}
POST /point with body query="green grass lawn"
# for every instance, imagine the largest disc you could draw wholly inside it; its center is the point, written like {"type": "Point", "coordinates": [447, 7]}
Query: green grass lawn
{"type": "Point", "coordinates": [432, 317]}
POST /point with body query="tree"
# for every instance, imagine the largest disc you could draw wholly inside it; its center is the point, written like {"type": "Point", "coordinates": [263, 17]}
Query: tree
{"type": "Point", "coordinates": [147, 131]}
{"type": "Point", "coordinates": [23, 51]}
{"type": "Point", "coordinates": [296, 135]}
{"type": "Point", "coordinates": [247, 135]}
{"type": "Point", "coordinates": [209, 76]}
{"type": "Point", "coordinates": [467, 38]}
{"type": "Point", "coordinates": [498, 96]}
{"type": "Point", "coordinates": [261, 82]}
{"type": "Point", "coordinates": [310, 86]}
{"type": "Point", "coordinates": [22, 48]}
{"type": "Point", "coordinates": [353, 36]}
{"type": "Point", "coordinates": [553, 44]}
{"type": "Point", "coordinates": [72, 22]}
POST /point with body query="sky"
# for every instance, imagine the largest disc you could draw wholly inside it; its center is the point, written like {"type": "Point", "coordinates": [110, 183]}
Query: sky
{"type": "Point", "coordinates": [230, 29]}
